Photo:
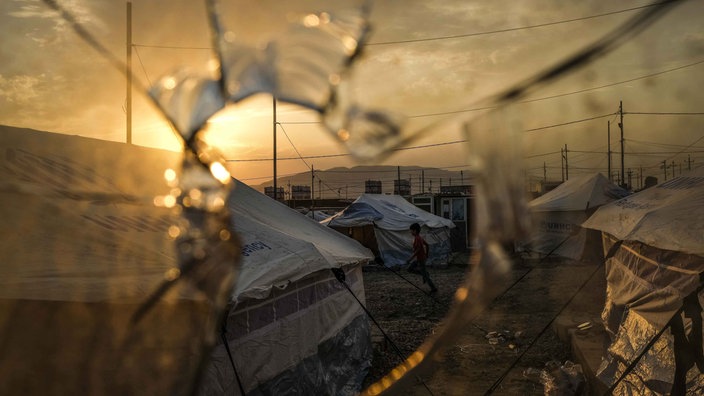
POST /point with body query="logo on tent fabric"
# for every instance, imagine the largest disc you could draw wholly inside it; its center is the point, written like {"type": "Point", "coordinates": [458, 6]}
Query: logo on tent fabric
{"type": "Point", "coordinates": [628, 204]}
{"type": "Point", "coordinates": [555, 226]}
{"type": "Point", "coordinates": [253, 247]}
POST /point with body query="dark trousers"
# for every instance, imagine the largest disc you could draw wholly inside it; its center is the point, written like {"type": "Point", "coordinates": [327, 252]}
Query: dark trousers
{"type": "Point", "coordinates": [418, 267]}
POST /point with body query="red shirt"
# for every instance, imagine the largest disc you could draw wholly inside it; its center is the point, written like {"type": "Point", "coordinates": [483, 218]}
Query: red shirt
{"type": "Point", "coordinates": [419, 248]}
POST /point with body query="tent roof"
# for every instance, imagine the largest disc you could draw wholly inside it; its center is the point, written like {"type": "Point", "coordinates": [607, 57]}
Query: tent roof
{"type": "Point", "coordinates": [667, 216]}
{"type": "Point", "coordinates": [388, 212]}
{"type": "Point", "coordinates": [281, 245]}
{"type": "Point", "coordinates": [579, 193]}
{"type": "Point", "coordinates": [61, 248]}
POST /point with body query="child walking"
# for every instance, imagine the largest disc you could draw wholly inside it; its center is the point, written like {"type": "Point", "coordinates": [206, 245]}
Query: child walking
{"type": "Point", "coordinates": [420, 253]}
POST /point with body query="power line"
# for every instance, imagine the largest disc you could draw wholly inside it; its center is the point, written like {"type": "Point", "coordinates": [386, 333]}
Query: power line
{"type": "Point", "coordinates": [509, 29]}
{"type": "Point", "coordinates": [444, 113]}
{"type": "Point", "coordinates": [614, 83]}
{"type": "Point", "coordinates": [448, 37]}
{"type": "Point", "coordinates": [660, 113]}
{"type": "Point", "coordinates": [171, 47]}
{"type": "Point", "coordinates": [144, 70]}
{"type": "Point", "coordinates": [658, 144]}
{"type": "Point", "coordinates": [425, 145]}
{"type": "Point", "coordinates": [569, 123]}
{"type": "Point", "coordinates": [294, 146]}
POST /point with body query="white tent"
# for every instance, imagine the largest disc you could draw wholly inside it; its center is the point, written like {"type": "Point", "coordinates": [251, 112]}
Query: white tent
{"type": "Point", "coordinates": [655, 240]}
{"type": "Point", "coordinates": [84, 246]}
{"type": "Point", "coordinates": [557, 215]}
{"type": "Point", "coordinates": [381, 222]}
{"type": "Point", "coordinates": [317, 215]}
{"type": "Point", "coordinates": [294, 327]}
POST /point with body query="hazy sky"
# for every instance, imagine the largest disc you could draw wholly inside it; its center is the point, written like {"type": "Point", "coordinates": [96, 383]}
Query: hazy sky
{"type": "Point", "coordinates": [427, 60]}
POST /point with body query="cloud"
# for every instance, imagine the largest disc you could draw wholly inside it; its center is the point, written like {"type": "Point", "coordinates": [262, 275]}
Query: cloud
{"type": "Point", "coordinates": [21, 89]}
{"type": "Point", "coordinates": [38, 11]}
{"type": "Point", "coordinates": [32, 9]}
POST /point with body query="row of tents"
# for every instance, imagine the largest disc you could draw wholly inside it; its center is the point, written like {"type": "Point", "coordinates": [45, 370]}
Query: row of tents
{"type": "Point", "coordinates": [84, 247]}
{"type": "Point", "coordinates": [653, 245]}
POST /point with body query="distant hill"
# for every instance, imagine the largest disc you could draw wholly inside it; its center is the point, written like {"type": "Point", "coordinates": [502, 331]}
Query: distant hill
{"type": "Point", "coordinates": [342, 182]}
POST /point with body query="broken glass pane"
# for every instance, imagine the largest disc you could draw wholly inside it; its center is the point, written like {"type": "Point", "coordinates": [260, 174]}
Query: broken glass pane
{"type": "Point", "coordinates": [127, 254]}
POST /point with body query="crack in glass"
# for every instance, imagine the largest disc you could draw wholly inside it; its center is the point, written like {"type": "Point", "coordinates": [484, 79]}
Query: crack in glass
{"type": "Point", "coordinates": [310, 66]}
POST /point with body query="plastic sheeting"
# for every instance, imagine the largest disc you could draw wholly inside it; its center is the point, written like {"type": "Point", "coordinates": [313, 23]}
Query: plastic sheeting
{"type": "Point", "coordinates": [646, 287]}
{"type": "Point", "coordinates": [83, 251]}
{"type": "Point", "coordinates": [309, 338]}
{"type": "Point", "coordinates": [397, 214]}
{"type": "Point", "coordinates": [279, 245]}
{"type": "Point", "coordinates": [101, 273]}
{"type": "Point", "coordinates": [580, 193]}
{"type": "Point", "coordinates": [649, 216]}
{"type": "Point", "coordinates": [391, 216]}
{"type": "Point", "coordinates": [557, 216]}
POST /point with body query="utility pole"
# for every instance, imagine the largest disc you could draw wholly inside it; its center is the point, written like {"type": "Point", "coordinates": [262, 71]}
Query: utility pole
{"type": "Point", "coordinates": [545, 173]}
{"type": "Point", "coordinates": [422, 180]}
{"type": "Point", "coordinates": [430, 189]}
{"type": "Point", "coordinates": [620, 125]}
{"type": "Point", "coordinates": [664, 167]}
{"type": "Point", "coordinates": [128, 74]}
{"type": "Point", "coordinates": [673, 169]}
{"type": "Point", "coordinates": [312, 189]}
{"type": "Point", "coordinates": [276, 193]}
{"type": "Point", "coordinates": [398, 178]}
{"type": "Point", "coordinates": [562, 164]}
{"type": "Point", "coordinates": [640, 185]}
{"type": "Point", "coordinates": [689, 162]}
{"type": "Point", "coordinates": [629, 178]}
{"type": "Point", "coordinates": [608, 141]}
{"type": "Point", "coordinates": [567, 168]}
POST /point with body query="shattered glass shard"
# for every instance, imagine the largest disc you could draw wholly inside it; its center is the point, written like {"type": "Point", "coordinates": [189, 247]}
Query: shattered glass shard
{"type": "Point", "coordinates": [366, 133]}
{"type": "Point", "coordinates": [301, 67]}
{"type": "Point", "coordinates": [188, 100]}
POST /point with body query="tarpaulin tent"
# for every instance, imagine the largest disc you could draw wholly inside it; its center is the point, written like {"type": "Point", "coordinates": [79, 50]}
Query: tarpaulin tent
{"type": "Point", "coordinates": [655, 241]}
{"type": "Point", "coordinates": [317, 215]}
{"type": "Point", "coordinates": [557, 216]}
{"type": "Point", "coordinates": [381, 222]}
{"type": "Point", "coordinates": [84, 247]}
{"type": "Point", "coordinates": [293, 327]}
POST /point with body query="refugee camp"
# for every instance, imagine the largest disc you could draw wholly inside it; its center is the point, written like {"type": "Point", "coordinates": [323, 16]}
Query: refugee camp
{"type": "Point", "coordinates": [359, 197]}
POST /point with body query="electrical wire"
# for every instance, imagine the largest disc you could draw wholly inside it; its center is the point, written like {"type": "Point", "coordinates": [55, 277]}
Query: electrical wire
{"type": "Point", "coordinates": [452, 37]}
{"type": "Point", "coordinates": [144, 70]}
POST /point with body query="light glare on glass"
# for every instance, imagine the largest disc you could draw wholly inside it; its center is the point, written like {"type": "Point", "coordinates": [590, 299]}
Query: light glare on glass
{"type": "Point", "coordinates": [174, 231]}
{"type": "Point", "coordinates": [219, 172]}
{"type": "Point", "coordinates": [170, 175]}
{"type": "Point", "coordinates": [172, 274]}
{"type": "Point", "coordinates": [169, 201]}
{"type": "Point", "coordinates": [343, 134]}
{"type": "Point", "coordinates": [461, 294]}
{"type": "Point", "coordinates": [311, 20]}
{"type": "Point", "coordinates": [169, 83]}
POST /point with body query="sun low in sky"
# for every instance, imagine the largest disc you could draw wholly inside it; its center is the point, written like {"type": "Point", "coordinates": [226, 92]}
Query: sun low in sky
{"type": "Point", "coordinates": [438, 64]}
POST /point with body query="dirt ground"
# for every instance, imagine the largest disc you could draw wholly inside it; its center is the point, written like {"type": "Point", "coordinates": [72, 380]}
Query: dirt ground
{"type": "Point", "coordinates": [511, 337]}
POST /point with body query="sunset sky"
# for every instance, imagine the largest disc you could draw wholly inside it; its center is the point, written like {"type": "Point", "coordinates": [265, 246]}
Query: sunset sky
{"type": "Point", "coordinates": [435, 61]}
